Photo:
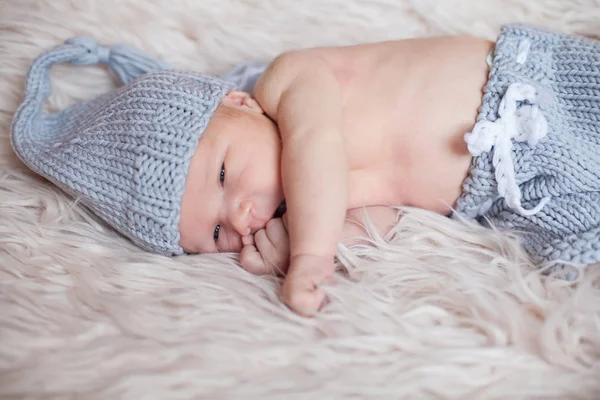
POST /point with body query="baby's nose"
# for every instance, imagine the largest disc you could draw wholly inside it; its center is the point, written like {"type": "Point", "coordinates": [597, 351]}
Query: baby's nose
{"type": "Point", "coordinates": [241, 217]}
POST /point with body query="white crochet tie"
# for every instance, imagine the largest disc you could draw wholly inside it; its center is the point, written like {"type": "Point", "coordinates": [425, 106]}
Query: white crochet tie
{"type": "Point", "coordinates": [525, 123]}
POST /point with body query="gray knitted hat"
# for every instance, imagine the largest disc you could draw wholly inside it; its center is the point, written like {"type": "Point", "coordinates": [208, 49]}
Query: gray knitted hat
{"type": "Point", "coordinates": [125, 155]}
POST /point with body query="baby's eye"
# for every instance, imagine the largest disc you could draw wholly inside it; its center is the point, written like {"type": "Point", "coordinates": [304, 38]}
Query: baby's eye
{"type": "Point", "coordinates": [222, 174]}
{"type": "Point", "coordinates": [216, 233]}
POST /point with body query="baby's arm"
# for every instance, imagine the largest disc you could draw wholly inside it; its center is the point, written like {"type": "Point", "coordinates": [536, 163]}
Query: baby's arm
{"type": "Point", "coordinates": [300, 92]}
{"type": "Point", "coordinates": [268, 252]}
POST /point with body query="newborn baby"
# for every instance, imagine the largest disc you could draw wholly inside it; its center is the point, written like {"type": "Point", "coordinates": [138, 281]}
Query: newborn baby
{"type": "Point", "coordinates": [333, 129]}
{"type": "Point", "coordinates": [507, 132]}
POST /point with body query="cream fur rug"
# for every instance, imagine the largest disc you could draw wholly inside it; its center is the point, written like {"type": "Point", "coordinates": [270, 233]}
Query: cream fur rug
{"type": "Point", "coordinates": [444, 310]}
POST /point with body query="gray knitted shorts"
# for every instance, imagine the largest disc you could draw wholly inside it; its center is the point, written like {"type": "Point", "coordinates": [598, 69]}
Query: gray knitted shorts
{"type": "Point", "coordinates": [536, 145]}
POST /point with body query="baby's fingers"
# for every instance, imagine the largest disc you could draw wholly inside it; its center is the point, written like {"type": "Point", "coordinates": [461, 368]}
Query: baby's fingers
{"type": "Point", "coordinates": [275, 258]}
{"type": "Point", "coordinates": [252, 261]}
{"type": "Point", "coordinates": [302, 296]}
{"type": "Point", "coordinates": [278, 235]}
{"type": "Point", "coordinates": [301, 289]}
{"type": "Point", "coordinates": [248, 240]}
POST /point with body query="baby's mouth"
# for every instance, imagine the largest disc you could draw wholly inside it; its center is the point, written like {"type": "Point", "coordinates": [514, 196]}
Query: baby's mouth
{"type": "Point", "coordinates": [280, 210]}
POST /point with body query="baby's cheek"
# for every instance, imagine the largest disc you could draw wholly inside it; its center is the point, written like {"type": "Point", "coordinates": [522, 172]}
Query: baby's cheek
{"type": "Point", "coordinates": [232, 242]}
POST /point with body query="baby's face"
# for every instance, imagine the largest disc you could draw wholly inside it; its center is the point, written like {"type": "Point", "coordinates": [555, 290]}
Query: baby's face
{"type": "Point", "coordinates": [233, 187]}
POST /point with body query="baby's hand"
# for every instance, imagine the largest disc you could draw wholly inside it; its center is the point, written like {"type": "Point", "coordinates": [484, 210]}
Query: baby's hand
{"type": "Point", "coordinates": [268, 252]}
{"type": "Point", "coordinates": [301, 290]}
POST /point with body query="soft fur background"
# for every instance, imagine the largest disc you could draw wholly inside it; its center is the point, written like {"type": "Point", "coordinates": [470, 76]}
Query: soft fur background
{"type": "Point", "coordinates": [441, 310]}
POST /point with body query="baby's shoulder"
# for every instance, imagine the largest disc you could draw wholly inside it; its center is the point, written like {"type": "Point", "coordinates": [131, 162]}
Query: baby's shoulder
{"type": "Point", "coordinates": [282, 74]}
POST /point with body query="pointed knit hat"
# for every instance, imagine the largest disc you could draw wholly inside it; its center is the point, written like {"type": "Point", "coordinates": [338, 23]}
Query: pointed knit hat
{"type": "Point", "coordinates": [124, 155]}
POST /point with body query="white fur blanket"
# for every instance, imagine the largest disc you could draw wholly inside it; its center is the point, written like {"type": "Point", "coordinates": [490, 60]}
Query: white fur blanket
{"type": "Point", "coordinates": [442, 310]}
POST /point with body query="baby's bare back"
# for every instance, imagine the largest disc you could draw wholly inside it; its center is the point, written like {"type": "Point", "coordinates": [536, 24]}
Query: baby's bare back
{"type": "Point", "coordinates": [406, 107]}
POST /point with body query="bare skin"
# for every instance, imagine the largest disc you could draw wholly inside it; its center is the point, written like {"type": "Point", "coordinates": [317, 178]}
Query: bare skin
{"type": "Point", "coordinates": [268, 251]}
{"type": "Point", "coordinates": [332, 130]}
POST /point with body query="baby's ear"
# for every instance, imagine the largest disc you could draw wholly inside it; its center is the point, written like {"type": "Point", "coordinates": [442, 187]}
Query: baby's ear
{"type": "Point", "coordinates": [242, 100]}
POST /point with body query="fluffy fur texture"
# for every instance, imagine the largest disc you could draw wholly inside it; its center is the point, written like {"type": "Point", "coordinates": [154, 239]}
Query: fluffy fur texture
{"type": "Point", "coordinates": [441, 309]}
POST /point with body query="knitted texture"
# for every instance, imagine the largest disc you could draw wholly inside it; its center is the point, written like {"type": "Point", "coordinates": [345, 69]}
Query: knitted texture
{"type": "Point", "coordinates": [564, 166]}
{"type": "Point", "coordinates": [125, 155]}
